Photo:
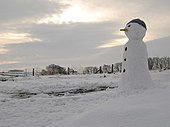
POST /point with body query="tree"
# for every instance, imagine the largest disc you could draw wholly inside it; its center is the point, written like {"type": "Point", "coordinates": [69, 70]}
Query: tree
{"type": "Point", "coordinates": [90, 70]}
{"type": "Point", "coordinates": [43, 72]}
{"type": "Point", "coordinates": [53, 69]}
{"type": "Point", "coordinates": [150, 63]}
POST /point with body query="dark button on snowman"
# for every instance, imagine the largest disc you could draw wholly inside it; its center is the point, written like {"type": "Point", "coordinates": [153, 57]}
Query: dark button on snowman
{"type": "Point", "coordinates": [135, 73]}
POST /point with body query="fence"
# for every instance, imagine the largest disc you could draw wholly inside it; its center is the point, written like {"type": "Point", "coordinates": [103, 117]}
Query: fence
{"type": "Point", "coordinates": [154, 63]}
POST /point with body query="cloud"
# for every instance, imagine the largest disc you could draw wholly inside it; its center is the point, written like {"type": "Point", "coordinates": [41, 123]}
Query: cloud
{"type": "Point", "coordinates": [154, 13]}
{"type": "Point", "coordinates": [15, 10]}
{"type": "Point", "coordinates": [14, 38]}
{"type": "Point", "coordinates": [8, 62]}
{"type": "Point", "coordinates": [17, 16]}
{"type": "Point", "coordinates": [76, 42]}
{"type": "Point", "coordinates": [113, 43]}
{"type": "Point", "coordinates": [3, 50]}
{"type": "Point", "coordinates": [67, 42]}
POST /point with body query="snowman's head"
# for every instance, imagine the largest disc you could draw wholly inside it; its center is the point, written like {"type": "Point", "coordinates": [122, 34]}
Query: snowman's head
{"type": "Point", "coordinates": [135, 29]}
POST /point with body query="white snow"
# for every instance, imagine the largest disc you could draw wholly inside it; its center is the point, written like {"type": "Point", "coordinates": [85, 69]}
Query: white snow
{"type": "Point", "coordinates": [145, 108]}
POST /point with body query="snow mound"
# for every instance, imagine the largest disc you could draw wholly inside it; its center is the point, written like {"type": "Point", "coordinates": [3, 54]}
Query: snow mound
{"type": "Point", "coordinates": [148, 109]}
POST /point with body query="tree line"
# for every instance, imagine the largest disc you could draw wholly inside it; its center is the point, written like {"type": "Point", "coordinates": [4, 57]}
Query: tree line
{"type": "Point", "coordinates": [157, 63]}
{"type": "Point", "coordinates": [154, 63]}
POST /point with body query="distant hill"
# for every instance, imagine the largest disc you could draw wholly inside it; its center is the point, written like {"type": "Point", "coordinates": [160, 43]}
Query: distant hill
{"type": "Point", "coordinates": [159, 47]}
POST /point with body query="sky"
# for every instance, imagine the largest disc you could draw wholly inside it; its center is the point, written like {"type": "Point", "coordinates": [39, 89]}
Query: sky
{"type": "Point", "coordinates": [36, 33]}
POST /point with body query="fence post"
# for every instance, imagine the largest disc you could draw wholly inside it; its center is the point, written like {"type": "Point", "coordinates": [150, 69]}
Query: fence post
{"type": "Point", "coordinates": [26, 72]}
{"type": "Point", "coordinates": [100, 70]}
{"type": "Point", "coordinates": [112, 68]}
{"type": "Point", "coordinates": [33, 72]}
{"type": "Point", "coordinates": [68, 71]}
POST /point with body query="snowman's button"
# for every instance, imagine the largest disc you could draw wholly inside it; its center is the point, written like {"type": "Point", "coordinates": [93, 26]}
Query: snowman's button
{"type": "Point", "coordinates": [124, 70]}
{"type": "Point", "coordinates": [125, 48]}
{"type": "Point", "coordinates": [124, 59]}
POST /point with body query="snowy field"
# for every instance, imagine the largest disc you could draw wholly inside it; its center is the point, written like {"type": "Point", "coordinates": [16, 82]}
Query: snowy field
{"type": "Point", "coordinates": [83, 101]}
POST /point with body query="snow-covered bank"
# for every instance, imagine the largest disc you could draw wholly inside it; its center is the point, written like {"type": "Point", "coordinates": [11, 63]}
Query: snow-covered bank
{"type": "Point", "coordinates": [150, 109]}
{"type": "Point", "coordinates": [42, 110]}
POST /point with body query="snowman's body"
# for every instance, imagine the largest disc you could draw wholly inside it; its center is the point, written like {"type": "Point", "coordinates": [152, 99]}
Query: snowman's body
{"type": "Point", "coordinates": [135, 73]}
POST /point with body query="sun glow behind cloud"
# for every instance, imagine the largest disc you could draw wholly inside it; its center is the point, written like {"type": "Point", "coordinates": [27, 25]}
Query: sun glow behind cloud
{"type": "Point", "coordinates": [3, 50]}
{"type": "Point", "coordinates": [14, 38]}
{"type": "Point", "coordinates": [113, 43]}
{"type": "Point", "coordinates": [76, 12]}
{"type": "Point", "coordinates": [8, 62]}
{"type": "Point", "coordinates": [72, 14]}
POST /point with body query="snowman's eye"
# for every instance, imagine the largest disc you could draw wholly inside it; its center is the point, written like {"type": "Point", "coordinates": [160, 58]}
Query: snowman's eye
{"type": "Point", "coordinates": [129, 25]}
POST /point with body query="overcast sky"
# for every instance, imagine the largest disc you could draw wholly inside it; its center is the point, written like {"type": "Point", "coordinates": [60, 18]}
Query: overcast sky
{"type": "Point", "coordinates": [36, 33]}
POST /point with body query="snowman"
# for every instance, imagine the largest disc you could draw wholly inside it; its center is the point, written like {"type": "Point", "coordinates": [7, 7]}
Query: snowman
{"type": "Point", "coordinates": [135, 73]}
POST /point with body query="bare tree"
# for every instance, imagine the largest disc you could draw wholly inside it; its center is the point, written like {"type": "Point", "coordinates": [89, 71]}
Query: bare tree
{"type": "Point", "coordinates": [53, 69]}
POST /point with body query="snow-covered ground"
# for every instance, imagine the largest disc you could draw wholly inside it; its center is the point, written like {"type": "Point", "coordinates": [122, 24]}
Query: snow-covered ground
{"type": "Point", "coordinates": [33, 102]}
